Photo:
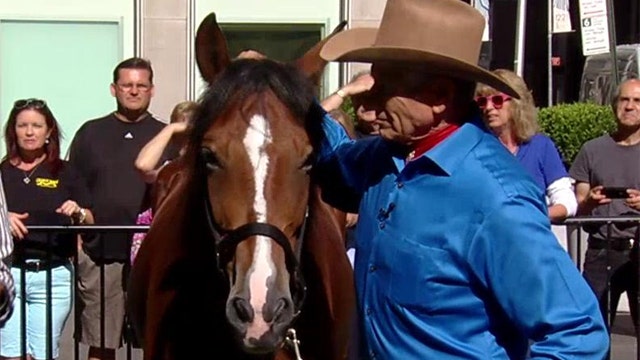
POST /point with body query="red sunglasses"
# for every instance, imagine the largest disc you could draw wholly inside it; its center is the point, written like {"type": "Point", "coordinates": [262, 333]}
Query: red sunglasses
{"type": "Point", "coordinates": [497, 101]}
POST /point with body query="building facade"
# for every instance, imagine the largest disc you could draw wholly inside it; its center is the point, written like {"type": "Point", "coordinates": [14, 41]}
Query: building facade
{"type": "Point", "coordinates": [64, 51]}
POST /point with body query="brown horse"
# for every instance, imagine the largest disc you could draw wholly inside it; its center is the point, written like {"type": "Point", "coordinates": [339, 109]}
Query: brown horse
{"type": "Point", "coordinates": [242, 249]}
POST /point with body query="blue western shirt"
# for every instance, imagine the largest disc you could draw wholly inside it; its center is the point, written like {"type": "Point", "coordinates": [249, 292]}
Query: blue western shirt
{"type": "Point", "coordinates": [455, 258]}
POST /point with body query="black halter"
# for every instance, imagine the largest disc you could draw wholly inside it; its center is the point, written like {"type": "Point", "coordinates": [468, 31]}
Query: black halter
{"type": "Point", "coordinates": [226, 242]}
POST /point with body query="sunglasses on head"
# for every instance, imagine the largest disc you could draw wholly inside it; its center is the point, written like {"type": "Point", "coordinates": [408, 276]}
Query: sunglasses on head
{"type": "Point", "coordinates": [29, 103]}
{"type": "Point", "coordinates": [497, 101]}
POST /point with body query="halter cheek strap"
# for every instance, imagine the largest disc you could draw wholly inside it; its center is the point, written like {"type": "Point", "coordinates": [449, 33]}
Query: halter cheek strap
{"type": "Point", "coordinates": [226, 243]}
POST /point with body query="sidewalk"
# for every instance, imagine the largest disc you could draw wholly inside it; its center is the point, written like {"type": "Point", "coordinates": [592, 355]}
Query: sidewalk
{"type": "Point", "coordinates": [623, 341]}
{"type": "Point", "coordinates": [66, 346]}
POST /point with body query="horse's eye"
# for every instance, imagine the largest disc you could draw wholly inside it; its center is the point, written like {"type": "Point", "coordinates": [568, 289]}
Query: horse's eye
{"type": "Point", "coordinates": [210, 159]}
{"type": "Point", "coordinates": [308, 163]}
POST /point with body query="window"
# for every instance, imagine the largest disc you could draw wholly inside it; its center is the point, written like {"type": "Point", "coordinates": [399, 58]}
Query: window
{"type": "Point", "coordinates": [282, 42]}
{"type": "Point", "coordinates": [67, 63]}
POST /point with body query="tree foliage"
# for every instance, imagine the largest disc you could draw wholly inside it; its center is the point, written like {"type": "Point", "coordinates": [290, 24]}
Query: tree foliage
{"type": "Point", "coordinates": [571, 125]}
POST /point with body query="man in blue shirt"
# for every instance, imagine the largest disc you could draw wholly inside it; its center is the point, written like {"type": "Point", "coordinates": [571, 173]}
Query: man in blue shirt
{"type": "Point", "coordinates": [455, 257]}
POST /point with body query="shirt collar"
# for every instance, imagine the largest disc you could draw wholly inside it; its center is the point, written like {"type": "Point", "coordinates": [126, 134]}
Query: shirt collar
{"type": "Point", "coordinates": [449, 154]}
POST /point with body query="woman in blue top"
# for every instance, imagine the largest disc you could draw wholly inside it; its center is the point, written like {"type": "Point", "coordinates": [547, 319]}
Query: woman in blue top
{"type": "Point", "coordinates": [514, 121]}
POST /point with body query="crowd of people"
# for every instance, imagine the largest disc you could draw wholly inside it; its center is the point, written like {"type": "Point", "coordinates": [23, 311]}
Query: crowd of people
{"type": "Point", "coordinates": [461, 261]}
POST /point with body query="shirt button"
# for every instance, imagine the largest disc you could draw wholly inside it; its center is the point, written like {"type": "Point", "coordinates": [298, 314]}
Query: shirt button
{"type": "Point", "coordinates": [368, 311]}
{"type": "Point", "coordinates": [400, 185]}
{"type": "Point", "coordinates": [372, 354]}
{"type": "Point", "coordinates": [382, 225]}
{"type": "Point", "coordinates": [373, 268]}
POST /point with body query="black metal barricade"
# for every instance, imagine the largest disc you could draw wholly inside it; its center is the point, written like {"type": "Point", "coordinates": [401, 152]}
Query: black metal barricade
{"type": "Point", "coordinates": [580, 223]}
{"type": "Point", "coordinates": [75, 229]}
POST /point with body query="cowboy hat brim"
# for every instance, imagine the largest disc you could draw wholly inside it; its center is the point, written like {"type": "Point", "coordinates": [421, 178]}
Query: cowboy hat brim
{"type": "Point", "coordinates": [358, 45]}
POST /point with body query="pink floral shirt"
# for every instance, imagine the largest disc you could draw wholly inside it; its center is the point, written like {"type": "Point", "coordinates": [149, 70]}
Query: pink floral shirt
{"type": "Point", "coordinates": [144, 218]}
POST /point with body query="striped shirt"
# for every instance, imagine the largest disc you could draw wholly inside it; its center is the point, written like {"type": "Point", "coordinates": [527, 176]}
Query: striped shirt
{"type": "Point", "coordinates": [6, 247]}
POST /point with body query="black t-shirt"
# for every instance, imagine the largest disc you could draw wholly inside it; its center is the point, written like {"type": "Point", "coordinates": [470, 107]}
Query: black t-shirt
{"type": "Point", "coordinates": [40, 197]}
{"type": "Point", "coordinates": [104, 152]}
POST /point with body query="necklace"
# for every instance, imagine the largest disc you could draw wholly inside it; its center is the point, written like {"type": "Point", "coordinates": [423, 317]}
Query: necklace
{"type": "Point", "coordinates": [27, 177]}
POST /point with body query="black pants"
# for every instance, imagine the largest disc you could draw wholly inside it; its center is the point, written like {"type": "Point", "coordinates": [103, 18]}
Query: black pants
{"type": "Point", "coordinates": [624, 278]}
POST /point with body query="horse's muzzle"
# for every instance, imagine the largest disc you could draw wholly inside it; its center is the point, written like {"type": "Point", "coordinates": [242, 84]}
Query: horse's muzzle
{"type": "Point", "coordinates": [260, 330]}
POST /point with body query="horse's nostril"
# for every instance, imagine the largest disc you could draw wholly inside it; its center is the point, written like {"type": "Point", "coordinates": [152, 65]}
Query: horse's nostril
{"type": "Point", "coordinates": [243, 309]}
{"type": "Point", "coordinates": [280, 306]}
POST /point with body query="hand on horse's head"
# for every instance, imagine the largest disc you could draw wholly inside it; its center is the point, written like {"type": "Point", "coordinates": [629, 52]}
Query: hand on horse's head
{"type": "Point", "coordinates": [251, 54]}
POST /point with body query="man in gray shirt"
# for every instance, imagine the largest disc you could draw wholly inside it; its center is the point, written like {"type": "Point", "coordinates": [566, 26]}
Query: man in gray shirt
{"type": "Point", "coordinates": [612, 160]}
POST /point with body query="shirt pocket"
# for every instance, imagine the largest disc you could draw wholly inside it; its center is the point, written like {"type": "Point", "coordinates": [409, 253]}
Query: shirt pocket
{"type": "Point", "coordinates": [420, 276]}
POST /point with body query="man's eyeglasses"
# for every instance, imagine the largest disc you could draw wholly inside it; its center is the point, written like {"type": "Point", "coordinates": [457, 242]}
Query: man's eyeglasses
{"type": "Point", "coordinates": [129, 86]}
{"type": "Point", "coordinates": [497, 101]}
{"type": "Point", "coordinates": [29, 103]}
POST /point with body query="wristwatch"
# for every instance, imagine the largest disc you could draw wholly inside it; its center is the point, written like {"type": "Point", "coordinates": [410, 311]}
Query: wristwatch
{"type": "Point", "coordinates": [81, 215]}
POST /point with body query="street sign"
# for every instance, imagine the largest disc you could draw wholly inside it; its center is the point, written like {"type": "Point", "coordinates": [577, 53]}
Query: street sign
{"type": "Point", "coordinates": [594, 26]}
{"type": "Point", "coordinates": [483, 7]}
{"type": "Point", "coordinates": [561, 17]}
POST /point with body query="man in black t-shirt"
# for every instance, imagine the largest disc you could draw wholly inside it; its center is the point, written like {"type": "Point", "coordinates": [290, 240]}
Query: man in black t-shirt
{"type": "Point", "coordinates": [104, 151]}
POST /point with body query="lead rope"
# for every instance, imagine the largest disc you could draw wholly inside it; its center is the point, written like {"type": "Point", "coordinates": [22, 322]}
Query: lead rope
{"type": "Point", "coordinates": [292, 340]}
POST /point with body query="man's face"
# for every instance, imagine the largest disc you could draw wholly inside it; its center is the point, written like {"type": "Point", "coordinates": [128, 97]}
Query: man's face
{"type": "Point", "coordinates": [133, 90]}
{"type": "Point", "coordinates": [405, 100]}
{"type": "Point", "coordinates": [628, 105]}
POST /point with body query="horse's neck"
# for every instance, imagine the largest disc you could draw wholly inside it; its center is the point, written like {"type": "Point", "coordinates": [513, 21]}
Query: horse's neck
{"type": "Point", "coordinates": [327, 217]}
{"type": "Point", "coordinates": [167, 179]}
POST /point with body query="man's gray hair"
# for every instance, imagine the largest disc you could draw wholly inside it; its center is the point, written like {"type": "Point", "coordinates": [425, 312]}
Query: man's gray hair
{"type": "Point", "coordinates": [616, 94]}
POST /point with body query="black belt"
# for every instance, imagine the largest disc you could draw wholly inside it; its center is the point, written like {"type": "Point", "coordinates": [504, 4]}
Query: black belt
{"type": "Point", "coordinates": [40, 265]}
{"type": "Point", "coordinates": [614, 244]}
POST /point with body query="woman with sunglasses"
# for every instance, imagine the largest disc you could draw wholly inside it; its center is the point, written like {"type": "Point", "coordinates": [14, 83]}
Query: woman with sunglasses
{"type": "Point", "coordinates": [515, 123]}
{"type": "Point", "coordinates": [41, 189]}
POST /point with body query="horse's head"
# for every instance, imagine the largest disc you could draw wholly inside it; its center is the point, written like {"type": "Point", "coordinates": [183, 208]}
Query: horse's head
{"type": "Point", "coordinates": [254, 137]}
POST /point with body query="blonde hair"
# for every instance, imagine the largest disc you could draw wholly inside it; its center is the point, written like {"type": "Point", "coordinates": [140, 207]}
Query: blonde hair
{"type": "Point", "coordinates": [183, 109]}
{"type": "Point", "coordinates": [524, 115]}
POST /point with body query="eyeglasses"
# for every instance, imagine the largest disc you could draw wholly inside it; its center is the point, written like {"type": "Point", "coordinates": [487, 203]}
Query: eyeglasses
{"type": "Point", "coordinates": [29, 103]}
{"type": "Point", "coordinates": [497, 101]}
{"type": "Point", "coordinates": [129, 86]}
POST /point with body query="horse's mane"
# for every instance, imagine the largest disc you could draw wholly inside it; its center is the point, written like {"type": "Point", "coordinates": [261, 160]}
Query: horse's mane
{"type": "Point", "coordinates": [246, 77]}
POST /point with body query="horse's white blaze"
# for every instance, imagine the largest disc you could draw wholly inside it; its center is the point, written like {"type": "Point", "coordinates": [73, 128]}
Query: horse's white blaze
{"type": "Point", "coordinates": [256, 139]}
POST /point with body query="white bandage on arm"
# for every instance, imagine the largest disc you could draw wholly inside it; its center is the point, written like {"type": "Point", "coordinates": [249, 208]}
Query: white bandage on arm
{"type": "Point", "coordinates": [560, 192]}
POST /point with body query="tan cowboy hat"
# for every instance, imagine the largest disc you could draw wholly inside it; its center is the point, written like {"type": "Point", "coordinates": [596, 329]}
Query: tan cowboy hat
{"type": "Point", "coordinates": [444, 34]}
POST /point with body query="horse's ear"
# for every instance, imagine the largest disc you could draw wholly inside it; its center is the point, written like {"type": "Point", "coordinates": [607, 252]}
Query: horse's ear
{"type": "Point", "coordinates": [212, 54]}
{"type": "Point", "coordinates": [311, 63]}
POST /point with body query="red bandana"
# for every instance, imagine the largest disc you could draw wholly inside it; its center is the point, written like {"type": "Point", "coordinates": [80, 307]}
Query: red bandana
{"type": "Point", "coordinates": [431, 140]}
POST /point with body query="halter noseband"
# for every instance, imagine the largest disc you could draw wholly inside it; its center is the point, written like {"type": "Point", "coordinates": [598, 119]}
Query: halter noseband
{"type": "Point", "coordinates": [226, 243]}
